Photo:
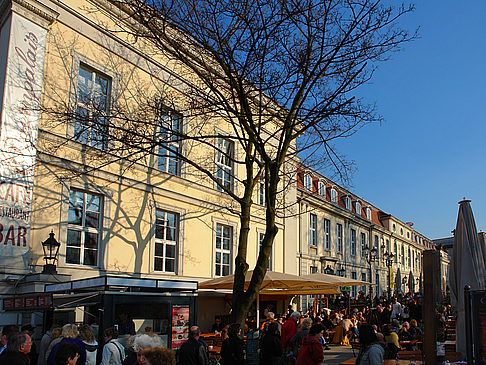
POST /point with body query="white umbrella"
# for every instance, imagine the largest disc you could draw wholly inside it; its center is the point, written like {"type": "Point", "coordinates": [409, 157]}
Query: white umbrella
{"type": "Point", "coordinates": [334, 280]}
{"type": "Point", "coordinates": [467, 267]}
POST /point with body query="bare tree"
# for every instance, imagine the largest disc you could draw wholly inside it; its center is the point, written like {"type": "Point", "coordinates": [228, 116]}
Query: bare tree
{"type": "Point", "coordinates": [282, 77]}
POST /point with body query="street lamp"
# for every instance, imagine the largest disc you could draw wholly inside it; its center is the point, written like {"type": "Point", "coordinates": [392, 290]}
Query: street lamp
{"type": "Point", "coordinates": [370, 255]}
{"type": "Point", "coordinates": [389, 257]}
{"type": "Point", "coordinates": [404, 281]}
{"type": "Point", "coordinates": [341, 271]}
{"type": "Point", "coordinates": [328, 270]}
{"type": "Point", "coordinates": [51, 249]}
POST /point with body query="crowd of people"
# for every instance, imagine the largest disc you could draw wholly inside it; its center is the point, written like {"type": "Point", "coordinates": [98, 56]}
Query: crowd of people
{"type": "Point", "coordinates": [299, 339]}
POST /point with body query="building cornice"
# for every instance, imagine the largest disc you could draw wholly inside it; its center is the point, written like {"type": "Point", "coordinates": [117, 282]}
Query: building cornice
{"type": "Point", "coordinates": [33, 10]}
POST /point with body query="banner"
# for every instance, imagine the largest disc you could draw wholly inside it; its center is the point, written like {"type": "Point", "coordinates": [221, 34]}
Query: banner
{"type": "Point", "coordinates": [180, 325]}
{"type": "Point", "coordinates": [18, 132]}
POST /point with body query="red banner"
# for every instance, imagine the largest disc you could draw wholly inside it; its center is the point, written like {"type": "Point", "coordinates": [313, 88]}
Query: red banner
{"type": "Point", "coordinates": [180, 325]}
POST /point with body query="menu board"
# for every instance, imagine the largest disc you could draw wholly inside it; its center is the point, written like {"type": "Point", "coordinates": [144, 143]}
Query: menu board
{"type": "Point", "coordinates": [478, 322]}
{"type": "Point", "coordinates": [180, 325]}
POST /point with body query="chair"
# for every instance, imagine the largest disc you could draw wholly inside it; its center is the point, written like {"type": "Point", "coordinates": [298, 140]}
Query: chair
{"type": "Point", "coordinates": [410, 355]}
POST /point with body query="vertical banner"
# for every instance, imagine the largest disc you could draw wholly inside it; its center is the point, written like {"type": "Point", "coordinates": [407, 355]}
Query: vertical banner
{"type": "Point", "coordinates": [18, 132]}
{"type": "Point", "coordinates": [180, 325]}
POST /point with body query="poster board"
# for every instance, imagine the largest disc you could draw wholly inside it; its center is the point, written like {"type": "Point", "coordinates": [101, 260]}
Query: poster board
{"type": "Point", "coordinates": [478, 323]}
{"type": "Point", "coordinates": [180, 325]}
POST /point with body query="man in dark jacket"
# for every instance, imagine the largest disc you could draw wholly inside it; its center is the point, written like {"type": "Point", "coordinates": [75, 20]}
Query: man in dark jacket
{"type": "Point", "coordinates": [18, 348]}
{"type": "Point", "coordinates": [193, 351]}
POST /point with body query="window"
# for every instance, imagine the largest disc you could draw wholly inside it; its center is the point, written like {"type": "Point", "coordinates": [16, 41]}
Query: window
{"type": "Point", "coordinates": [353, 242]}
{"type": "Point", "coordinates": [395, 251]}
{"type": "Point", "coordinates": [322, 188]}
{"type": "Point", "coordinates": [409, 258]}
{"type": "Point", "coordinates": [84, 228]}
{"type": "Point", "coordinates": [313, 269]}
{"type": "Point", "coordinates": [368, 213]}
{"type": "Point", "coordinates": [260, 240]}
{"type": "Point", "coordinates": [354, 289]}
{"type": "Point", "coordinates": [357, 207]}
{"type": "Point", "coordinates": [339, 233]}
{"type": "Point", "coordinates": [363, 278]}
{"type": "Point", "coordinates": [401, 231]}
{"type": "Point", "coordinates": [377, 246]}
{"type": "Point", "coordinates": [388, 246]}
{"type": "Point", "coordinates": [261, 192]}
{"type": "Point", "coordinates": [166, 234]}
{"type": "Point", "coordinates": [403, 256]}
{"type": "Point", "coordinates": [413, 259]}
{"type": "Point", "coordinates": [92, 103]}
{"type": "Point", "coordinates": [327, 234]}
{"type": "Point", "coordinates": [378, 290]}
{"type": "Point", "coordinates": [363, 244]}
{"type": "Point", "coordinates": [313, 230]}
{"type": "Point", "coordinates": [224, 163]}
{"type": "Point", "coordinates": [308, 182]}
{"type": "Point", "coordinates": [333, 195]}
{"type": "Point", "coordinates": [224, 243]}
{"type": "Point", "coordinates": [169, 126]}
{"type": "Point", "coordinates": [347, 202]}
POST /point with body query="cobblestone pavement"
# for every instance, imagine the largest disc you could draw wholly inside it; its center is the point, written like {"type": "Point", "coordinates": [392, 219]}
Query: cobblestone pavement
{"type": "Point", "coordinates": [337, 354]}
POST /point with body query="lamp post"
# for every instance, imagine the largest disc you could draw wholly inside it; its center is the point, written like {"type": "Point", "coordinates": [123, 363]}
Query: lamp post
{"type": "Point", "coordinates": [341, 271]}
{"type": "Point", "coordinates": [51, 250]}
{"type": "Point", "coordinates": [389, 262]}
{"type": "Point", "coordinates": [370, 255]}
{"type": "Point", "coordinates": [328, 270]}
{"type": "Point", "coordinates": [404, 281]}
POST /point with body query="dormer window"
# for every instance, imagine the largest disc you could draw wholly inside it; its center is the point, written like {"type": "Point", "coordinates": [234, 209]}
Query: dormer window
{"type": "Point", "coordinates": [333, 193]}
{"type": "Point", "coordinates": [321, 188]}
{"type": "Point", "coordinates": [368, 213]}
{"type": "Point", "coordinates": [307, 182]}
{"type": "Point", "coordinates": [347, 202]}
{"type": "Point", "coordinates": [357, 207]}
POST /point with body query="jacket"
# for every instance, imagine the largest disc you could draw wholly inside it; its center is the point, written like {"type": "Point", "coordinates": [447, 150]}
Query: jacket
{"type": "Point", "coordinates": [192, 352]}
{"type": "Point", "coordinates": [233, 351]}
{"type": "Point", "coordinates": [311, 351]}
{"type": "Point", "coordinates": [91, 351]}
{"type": "Point", "coordinates": [289, 329]}
{"type": "Point", "coordinates": [296, 340]}
{"type": "Point", "coordinates": [371, 355]}
{"type": "Point", "coordinates": [271, 349]}
{"type": "Point", "coordinates": [82, 351]}
{"type": "Point", "coordinates": [113, 353]}
{"type": "Point", "coordinates": [13, 358]}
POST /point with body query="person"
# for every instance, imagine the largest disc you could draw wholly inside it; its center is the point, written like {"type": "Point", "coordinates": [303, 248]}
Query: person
{"type": "Point", "coordinates": [271, 346]}
{"type": "Point", "coordinates": [159, 356]}
{"type": "Point", "coordinates": [233, 348]}
{"type": "Point", "coordinates": [139, 343]}
{"type": "Point", "coordinates": [371, 352]}
{"type": "Point", "coordinates": [270, 318]}
{"type": "Point", "coordinates": [403, 334]}
{"type": "Point", "coordinates": [396, 309]}
{"type": "Point", "coordinates": [289, 329]}
{"type": "Point", "coordinates": [193, 352]}
{"type": "Point", "coordinates": [33, 354]}
{"type": "Point", "coordinates": [69, 334]}
{"type": "Point", "coordinates": [86, 334]}
{"type": "Point", "coordinates": [310, 353]}
{"type": "Point", "coordinates": [392, 344]}
{"type": "Point", "coordinates": [18, 348]}
{"type": "Point", "coordinates": [296, 340]}
{"type": "Point", "coordinates": [217, 326]}
{"type": "Point", "coordinates": [6, 332]}
{"type": "Point", "coordinates": [113, 351]}
{"type": "Point", "coordinates": [66, 354]}
{"type": "Point", "coordinates": [44, 344]}
{"type": "Point", "coordinates": [414, 330]}
{"type": "Point", "coordinates": [125, 325]}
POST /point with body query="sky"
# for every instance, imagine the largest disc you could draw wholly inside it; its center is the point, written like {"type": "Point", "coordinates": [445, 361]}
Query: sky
{"type": "Point", "coordinates": [430, 152]}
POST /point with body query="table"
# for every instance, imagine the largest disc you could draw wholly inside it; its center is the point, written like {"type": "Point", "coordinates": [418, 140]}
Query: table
{"type": "Point", "coordinates": [386, 362]}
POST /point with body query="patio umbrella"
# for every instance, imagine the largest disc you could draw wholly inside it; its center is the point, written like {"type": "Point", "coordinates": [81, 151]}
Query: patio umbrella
{"type": "Point", "coordinates": [398, 283]}
{"type": "Point", "coordinates": [467, 267]}
{"type": "Point", "coordinates": [411, 282]}
{"type": "Point", "coordinates": [333, 280]}
{"type": "Point", "coordinates": [318, 291]}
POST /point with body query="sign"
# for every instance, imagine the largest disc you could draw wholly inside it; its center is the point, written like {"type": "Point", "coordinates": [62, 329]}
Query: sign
{"type": "Point", "coordinates": [345, 288]}
{"type": "Point", "coordinates": [27, 303]}
{"type": "Point", "coordinates": [478, 324]}
{"type": "Point", "coordinates": [19, 121]}
{"type": "Point", "coordinates": [180, 325]}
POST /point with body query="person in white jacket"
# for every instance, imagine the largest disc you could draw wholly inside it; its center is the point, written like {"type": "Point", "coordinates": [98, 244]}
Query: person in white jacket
{"type": "Point", "coordinates": [113, 351]}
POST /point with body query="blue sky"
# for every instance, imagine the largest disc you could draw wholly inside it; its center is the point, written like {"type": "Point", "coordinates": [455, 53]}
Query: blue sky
{"type": "Point", "coordinates": [430, 152]}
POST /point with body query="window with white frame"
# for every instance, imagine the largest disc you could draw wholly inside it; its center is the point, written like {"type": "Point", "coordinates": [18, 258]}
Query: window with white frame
{"type": "Point", "coordinates": [368, 213]}
{"type": "Point", "coordinates": [403, 255]}
{"type": "Point", "coordinates": [334, 195]}
{"type": "Point", "coordinates": [307, 182]}
{"type": "Point", "coordinates": [261, 235]}
{"type": "Point", "coordinates": [339, 235]}
{"type": "Point", "coordinates": [363, 244]}
{"type": "Point", "coordinates": [363, 278]}
{"type": "Point", "coordinates": [357, 207]}
{"type": "Point", "coordinates": [327, 234]}
{"type": "Point", "coordinates": [322, 188]}
{"type": "Point", "coordinates": [354, 288]}
{"type": "Point", "coordinates": [224, 163]}
{"type": "Point", "coordinates": [395, 251]}
{"type": "Point", "coordinates": [261, 192]}
{"type": "Point", "coordinates": [170, 127]}
{"type": "Point", "coordinates": [166, 235]}
{"type": "Point", "coordinates": [347, 202]}
{"type": "Point", "coordinates": [353, 242]}
{"type": "Point", "coordinates": [92, 103]}
{"type": "Point", "coordinates": [413, 259]}
{"type": "Point", "coordinates": [388, 246]}
{"type": "Point", "coordinates": [377, 246]}
{"type": "Point", "coordinates": [313, 269]}
{"type": "Point", "coordinates": [224, 244]}
{"type": "Point", "coordinates": [409, 258]}
{"type": "Point", "coordinates": [313, 230]}
{"type": "Point", "coordinates": [84, 227]}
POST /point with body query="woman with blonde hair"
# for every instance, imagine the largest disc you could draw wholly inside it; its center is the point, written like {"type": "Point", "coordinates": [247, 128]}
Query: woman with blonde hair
{"type": "Point", "coordinates": [86, 334]}
{"type": "Point", "coordinates": [69, 334]}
